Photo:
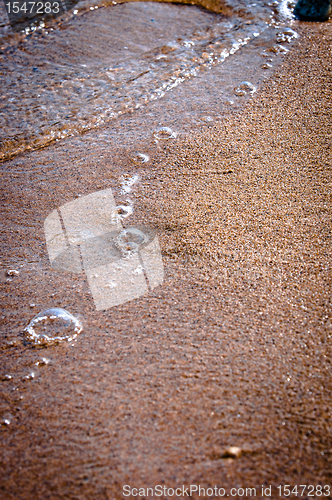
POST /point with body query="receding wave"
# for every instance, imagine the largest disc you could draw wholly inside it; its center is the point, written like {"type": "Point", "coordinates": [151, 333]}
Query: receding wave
{"type": "Point", "coordinates": [84, 71]}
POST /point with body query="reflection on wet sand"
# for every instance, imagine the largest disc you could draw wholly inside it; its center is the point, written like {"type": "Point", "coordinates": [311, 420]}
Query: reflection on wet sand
{"type": "Point", "coordinates": [120, 264]}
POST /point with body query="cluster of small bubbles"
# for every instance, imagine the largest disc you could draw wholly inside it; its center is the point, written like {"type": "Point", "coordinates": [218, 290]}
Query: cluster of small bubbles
{"type": "Point", "coordinates": [286, 35]}
{"type": "Point", "coordinates": [127, 183]}
{"type": "Point", "coordinates": [5, 421]}
{"type": "Point", "coordinates": [140, 158]}
{"type": "Point", "coordinates": [244, 88]}
{"type": "Point", "coordinates": [163, 133]}
{"type": "Point", "coordinates": [7, 377]}
{"type": "Point", "coordinates": [129, 241]}
{"type": "Point", "coordinates": [30, 376]}
{"type": "Point", "coordinates": [53, 326]}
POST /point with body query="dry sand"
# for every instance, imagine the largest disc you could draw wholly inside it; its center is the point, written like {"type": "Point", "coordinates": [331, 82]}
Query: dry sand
{"type": "Point", "coordinates": [233, 350]}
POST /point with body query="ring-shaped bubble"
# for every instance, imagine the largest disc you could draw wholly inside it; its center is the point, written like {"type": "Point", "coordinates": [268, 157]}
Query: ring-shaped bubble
{"type": "Point", "coordinates": [244, 88]}
{"type": "Point", "coordinates": [52, 326]}
{"type": "Point", "coordinates": [164, 133]}
{"type": "Point", "coordinates": [129, 240]}
{"type": "Point", "coordinates": [140, 158]}
{"type": "Point", "coordinates": [286, 35]}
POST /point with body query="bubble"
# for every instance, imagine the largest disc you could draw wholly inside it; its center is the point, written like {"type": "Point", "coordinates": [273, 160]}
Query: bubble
{"type": "Point", "coordinates": [188, 43]}
{"type": "Point", "coordinates": [6, 421]}
{"type": "Point", "coordinates": [244, 88]}
{"type": "Point", "coordinates": [111, 284]}
{"type": "Point", "coordinates": [12, 272]}
{"type": "Point", "coordinates": [140, 158]}
{"type": "Point", "coordinates": [286, 35]}
{"type": "Point", "coordinates": [42, 362]}
{"type": "Point", "coordinates": [266, 66]}
{"type": "Point", "coordinates": [130, 240]}
{"type": "Point", "coordinates": [164, 133]}
{"type": "Point", "coordinates": [7, 377]}
{"type": "Point", "coordinates": [138, 270]}
{"type": "Point", "coordinates": [267, 53]}
{"type": "Point", "coordinates": [53, 326]}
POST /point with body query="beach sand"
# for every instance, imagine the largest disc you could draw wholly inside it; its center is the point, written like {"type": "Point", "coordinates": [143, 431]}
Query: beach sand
{"type": "Point", "coordinates": [234, 349]}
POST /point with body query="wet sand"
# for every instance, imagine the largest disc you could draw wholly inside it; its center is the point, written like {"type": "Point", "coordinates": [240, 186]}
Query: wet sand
{"type": "Point", "coordinates": [234, 349]}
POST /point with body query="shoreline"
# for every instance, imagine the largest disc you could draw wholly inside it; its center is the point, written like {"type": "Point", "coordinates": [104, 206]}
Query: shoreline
{"type": "Point", "coordinates": [102, 82]}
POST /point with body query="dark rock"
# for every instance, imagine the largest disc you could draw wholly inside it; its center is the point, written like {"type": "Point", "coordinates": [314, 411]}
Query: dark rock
{"type": "Point", "coordinates": [313, 10]}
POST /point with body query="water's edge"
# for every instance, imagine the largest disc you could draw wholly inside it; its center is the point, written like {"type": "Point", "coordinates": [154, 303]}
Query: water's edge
{"type": "Point", "coordinates": [56, 83]}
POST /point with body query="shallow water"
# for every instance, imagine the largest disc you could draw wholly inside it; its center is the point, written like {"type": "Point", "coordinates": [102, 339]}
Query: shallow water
{"type": "Point", "coordinates": [97, 65]}
{"type": "Point", "coordinates": [53, 326]}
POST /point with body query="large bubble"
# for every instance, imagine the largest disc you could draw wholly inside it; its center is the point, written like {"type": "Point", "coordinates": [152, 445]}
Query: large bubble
{"type": "Point", "coordinates": [53, 326]}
